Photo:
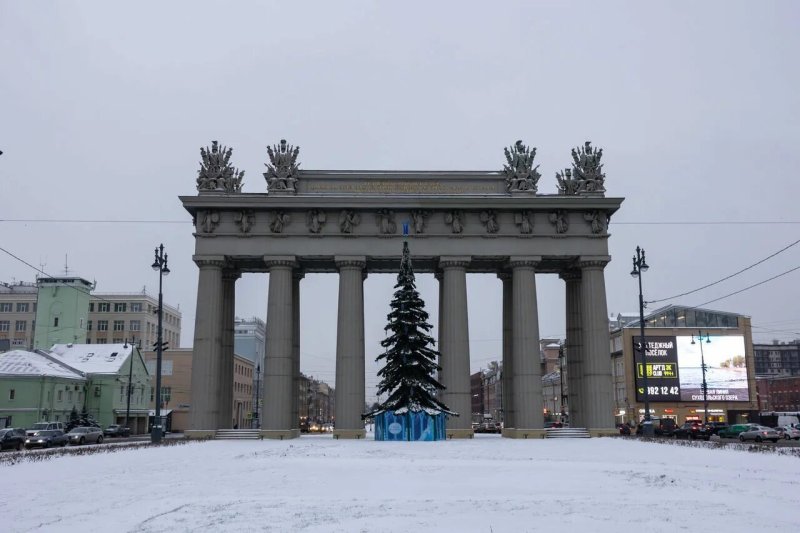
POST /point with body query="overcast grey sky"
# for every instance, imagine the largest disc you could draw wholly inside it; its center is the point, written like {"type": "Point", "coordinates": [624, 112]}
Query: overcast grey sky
{"type": "Point", "coordinates": [104, 106]}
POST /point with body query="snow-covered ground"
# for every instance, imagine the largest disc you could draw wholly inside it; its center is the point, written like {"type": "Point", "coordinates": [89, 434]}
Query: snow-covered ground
{"type": "Point", "coordinates": [488, 484]}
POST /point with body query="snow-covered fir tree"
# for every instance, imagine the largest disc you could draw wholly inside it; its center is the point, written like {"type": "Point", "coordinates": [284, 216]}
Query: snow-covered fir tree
{"type": "Point", "coordinates": [410, 360]}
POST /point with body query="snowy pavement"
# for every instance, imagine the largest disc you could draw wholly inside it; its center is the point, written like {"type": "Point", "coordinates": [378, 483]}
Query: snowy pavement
{"type": "Point", "coordinates": [489, 484]}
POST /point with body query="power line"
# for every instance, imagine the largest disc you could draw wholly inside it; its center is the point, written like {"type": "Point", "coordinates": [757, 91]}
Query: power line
{"type": "Point", "coordinates": [750, 287]}
{"type": "Point", "coordinates": [726, 277]}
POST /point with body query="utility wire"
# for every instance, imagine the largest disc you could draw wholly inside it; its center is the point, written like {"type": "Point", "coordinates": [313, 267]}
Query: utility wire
{"type": "Point", "coordinates": [726, 277]}
{"type": "Point", "coordinates": [750, 287]}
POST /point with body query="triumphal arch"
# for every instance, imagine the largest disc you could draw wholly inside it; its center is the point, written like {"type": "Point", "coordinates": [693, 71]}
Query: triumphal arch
{"type": "Point", "coordinates": [351, 223]}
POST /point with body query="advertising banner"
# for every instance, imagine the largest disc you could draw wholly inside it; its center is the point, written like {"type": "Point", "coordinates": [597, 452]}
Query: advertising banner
{"type": "Point", "coordinates": [726, 371]}
{"type": "Point", "coordinates": [663, 383]}
{"type": "Point", "coordinates": [674, 371]}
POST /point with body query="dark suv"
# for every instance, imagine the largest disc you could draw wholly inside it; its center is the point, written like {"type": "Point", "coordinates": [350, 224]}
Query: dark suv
{"type": "Point", "coordinates": [12, 439]}
{"type": "Point", "coordinates": [691, 429]}
{"type": "Point", "coordinates": [662, 427]}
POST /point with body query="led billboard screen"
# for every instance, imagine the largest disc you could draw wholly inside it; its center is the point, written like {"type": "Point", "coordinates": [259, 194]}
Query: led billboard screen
{"type": "Point", "coordinates": [674, 370]}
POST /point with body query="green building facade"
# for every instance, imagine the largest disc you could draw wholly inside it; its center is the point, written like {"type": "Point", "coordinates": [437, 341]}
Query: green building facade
{"type": "Point", "coordinates": [62, 311]}
{"type": "Point", "coordinates": [47, 385]}
{"type": "Point", "coordinates": [34, 388]}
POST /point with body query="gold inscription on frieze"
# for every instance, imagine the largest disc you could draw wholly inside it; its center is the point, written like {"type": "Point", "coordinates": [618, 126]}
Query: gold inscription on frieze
{"type": "Point", "coordinates": [408, 187]}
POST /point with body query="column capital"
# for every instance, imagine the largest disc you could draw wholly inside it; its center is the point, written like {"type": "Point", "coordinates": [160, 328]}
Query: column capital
{"type": "Point", "coordinates": [593, 261]}
{"type": "Point", "coordinates": [516, 261]}
{"type": "Point", "coordinates": [570, 275]}
{"type": "Point", "coordinates": [350, 261]}
{"type": "Point", "coordinates": [454, 261]}
{"type": "Point", "coordinates": [209, 260]}
{"type": "Point", "coordinates": [280, 261]}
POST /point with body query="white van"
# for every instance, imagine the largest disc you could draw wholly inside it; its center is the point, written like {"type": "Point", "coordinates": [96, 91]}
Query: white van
{"type": "Point", "coordinates": [39, 426]}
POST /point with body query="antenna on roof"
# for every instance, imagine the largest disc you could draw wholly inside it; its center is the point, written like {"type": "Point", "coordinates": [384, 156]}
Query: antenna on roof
{"type": "Point", "coordinates": [66, 265]}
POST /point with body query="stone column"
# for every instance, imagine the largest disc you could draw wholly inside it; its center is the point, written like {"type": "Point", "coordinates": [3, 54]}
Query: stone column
{"type": "Point", "coordinates": [527, 367]}
{"type": "Point", "coordinates": [508, 361]}
{"type": "Point", "coordinates": [350, 383]}
{"type": "Point", "coordinates": [454, 345]}
{"type": "Point", "coordinates": [296, 277]}
{"type": "Point", "coordinates": [207, 350]}
{"type": "Point", "coordinates": [225, 372]}
{"type": "Point", "coordinates": [279, 365]}
{"type": "Point", "coordinates": [573, 347]}
{"type": "Point", "coordinates": [597, 392]}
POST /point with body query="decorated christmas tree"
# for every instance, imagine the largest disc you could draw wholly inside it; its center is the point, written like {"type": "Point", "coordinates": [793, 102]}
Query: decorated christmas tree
{"type": "Point", "coordinates": [410, 363]}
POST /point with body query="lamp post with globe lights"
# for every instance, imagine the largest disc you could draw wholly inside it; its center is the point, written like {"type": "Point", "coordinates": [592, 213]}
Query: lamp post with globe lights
{"type": "Point", "coordinates": [703, 368]}
{"type": "Point", "coordinates": [640, 266]}
{"type": "Point", "coordinates": [159, 265]}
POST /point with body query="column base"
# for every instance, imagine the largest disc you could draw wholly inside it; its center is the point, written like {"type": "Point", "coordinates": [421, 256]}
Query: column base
{"type": "Point", "coordinates": [517, 433]}
{"type": "Point", "coordinates": [603, 432]}
{"type": "Point", "coordinates": [280, 434]}
{"type": "Point", "coordinates": [349, 433]}
{"type": "Point", "coordinates": [196, 434]}
{"type": "Point", "coordinates": [459, 433]}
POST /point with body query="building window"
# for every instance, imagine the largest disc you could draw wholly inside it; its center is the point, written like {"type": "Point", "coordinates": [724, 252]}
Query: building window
{"type": "Point", "coordinates": [5, 307]}
{"type": "Point", "coordinates": [166, 394]}
{"type": "Point", "coordinates": [136, 325]}
{"type": "Point", "coordinates": [12, 394]}
{"type": "Point", "coordinates": [116, 340]}
{"type": "Point", "coordinates": [69, 395]}
{"type": "Point", "coordinates": [103, 307]}
{"type": "Point", "coordinates": [5, 325]}
{"type": "Point", "coordinates": [22, 307]}
{"type": "Point", "coordinates": [136, 307]}
{"type": "Point", "coordinates": [121, 392]}
{"type": "Point", "coordinates": [91, 307]}
{"type": "Point", "coordinates": [55, 322]}
{"type": "Point", "coordinates": [88, 325]}
{"type": "Point", "coordinates": [101, 341]}
{"type": "Point", "coordinates": [22, 325]}
{"type": "Point", "coordinates": [102, 325]}
{"type": "Point", "coordinates": [17, 342]}
{"type": "Point", "coordinates": [120, 307]}
{"type": "Point", "coordinates": [152, 394]}
{"type": "Point", "coordinates": [119, 325]}
{"type": "Point", "coordinates": [59, 395]}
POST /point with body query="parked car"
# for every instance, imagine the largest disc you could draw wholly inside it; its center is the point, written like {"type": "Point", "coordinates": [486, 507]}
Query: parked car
{"type": "Point", "coordinates": [788, 432]}
{"type": "Point", "coordinates": [39, 426]}
{"type": "Point", "coordinates": [731, 432]}
{"type": "Point", "coordinates": [714, 428]}
{"type": "Point", "coordinates": [46, 438]}
{"type": "Point", "coordinates": [12, 439]}
{"type": "Point", "coordinates": [759, 434]}
{"type": "Point", "coordinates": [691, 429]}
{"type": "Point", "coordinates": [662, 427]}
{"type": "Point", "coordinates": [82, 435]}
{"type": "Point", "coordinates": [116, 430]}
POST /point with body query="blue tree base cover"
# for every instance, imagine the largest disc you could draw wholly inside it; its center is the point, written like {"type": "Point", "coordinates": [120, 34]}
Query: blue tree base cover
{"type": "Point", "coordinates": [410, 426]}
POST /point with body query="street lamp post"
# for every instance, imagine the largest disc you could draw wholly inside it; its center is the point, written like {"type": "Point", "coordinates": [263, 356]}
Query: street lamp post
{"type": "Point", "coordinates": [258, 382]}
{"type": "Point", "coordinates": [703, 367]}
{"type": "Point", "coordinates": [640, 266]}
{"type": "Point", "coordinates": [160, 265]}
{"type": "Point", "coordinates": [561, 378]}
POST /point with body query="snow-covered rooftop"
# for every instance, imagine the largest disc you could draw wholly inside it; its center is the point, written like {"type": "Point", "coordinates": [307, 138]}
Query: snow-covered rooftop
{"type": "Point", "coordinates": [93, 358]}
{"type": "Point", "coordinates": [24, 363]}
